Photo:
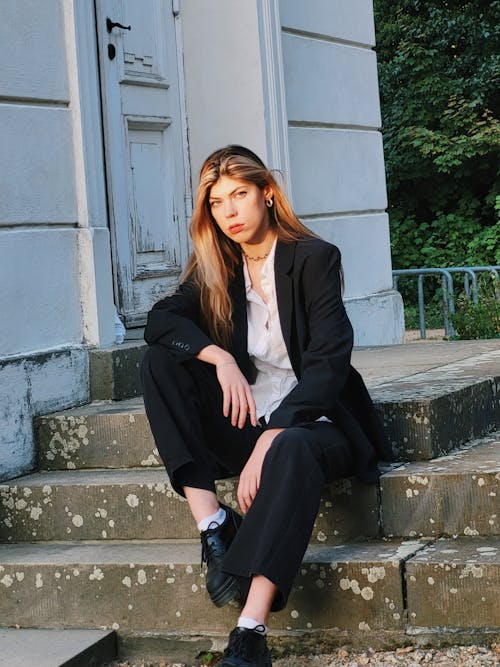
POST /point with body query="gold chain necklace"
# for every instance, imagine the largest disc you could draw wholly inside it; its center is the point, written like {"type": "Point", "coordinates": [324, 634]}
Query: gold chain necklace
{"type": "Point", "coordinates": [257, 259]}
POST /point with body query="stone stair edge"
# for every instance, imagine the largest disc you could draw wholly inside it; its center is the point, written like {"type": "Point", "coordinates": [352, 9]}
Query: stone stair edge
{"type": "Point", "coordinates": [43, 647]}
{"type": "Point", "coordinates": [394, 391]}
{"type": "Point", "coordinates": [167, 551]}
{"type": "Point", "coordinates": [387, 468]}
{"type": "Point", "coordinates": [428, 549]}
{"type": "Point", "coordinates": [114, 371]}
{"type": "Point", "coordinates": [98, 408]}
{"type": "Point", "coordinates": [436, 466]}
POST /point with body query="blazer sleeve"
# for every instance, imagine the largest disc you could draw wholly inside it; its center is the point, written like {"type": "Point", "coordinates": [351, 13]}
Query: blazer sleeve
{"type": "Point", "coordinates": [325, 363]}
{"type": "Point", "coordinates": [175, 322]}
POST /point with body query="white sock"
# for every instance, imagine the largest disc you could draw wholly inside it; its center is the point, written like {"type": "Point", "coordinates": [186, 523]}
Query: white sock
{"type": "Point", "coordinates": [219, 517]}
{"type": "Point", "coordinates": [252, 624]}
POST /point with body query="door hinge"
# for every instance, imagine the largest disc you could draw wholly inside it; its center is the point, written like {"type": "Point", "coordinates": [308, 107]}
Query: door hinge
{"type": "Point", "coordinates": [176, 7]}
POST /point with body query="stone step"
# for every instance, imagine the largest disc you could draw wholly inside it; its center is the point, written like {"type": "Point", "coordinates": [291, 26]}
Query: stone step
{"type": "Point", "coordinates": [428, 414]}
{"type": "Point", "coordinates": [102, 434]}
{"type": "Point", "coordinates": [140, 504]}
{"type": "Point", "coordinates": [114, 371]}
{"type": "Point", "coordinates": [56, 648]}
{"type": "Point", "coordinates": [425, 415]}
{"type": "Point", "coordinates": [457, 494]}
{"type": "Point", "coordinates": [159, 586]}
{"type": "Point", "coordinates": [455, 584]}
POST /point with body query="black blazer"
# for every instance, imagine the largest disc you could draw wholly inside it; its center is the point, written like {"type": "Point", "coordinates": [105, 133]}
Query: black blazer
{"type": "Point", "coordinates": [318, 337]}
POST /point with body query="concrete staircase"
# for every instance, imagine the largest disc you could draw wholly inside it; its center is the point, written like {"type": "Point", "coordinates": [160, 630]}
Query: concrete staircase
{"type": "Point", "coordinates": [97, 538]}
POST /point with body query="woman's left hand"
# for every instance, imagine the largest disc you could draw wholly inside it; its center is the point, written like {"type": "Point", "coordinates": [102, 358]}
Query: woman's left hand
{"type": "Point", "coordinates": [250, 475]}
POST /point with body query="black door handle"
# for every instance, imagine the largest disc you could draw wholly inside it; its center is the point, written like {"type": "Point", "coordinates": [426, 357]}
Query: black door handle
{"type": "Point", "coordinates": [111, 24]}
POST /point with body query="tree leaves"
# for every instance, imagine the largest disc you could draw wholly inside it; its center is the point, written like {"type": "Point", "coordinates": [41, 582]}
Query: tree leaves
{"type": "Point", "coordinates": [439, 73]}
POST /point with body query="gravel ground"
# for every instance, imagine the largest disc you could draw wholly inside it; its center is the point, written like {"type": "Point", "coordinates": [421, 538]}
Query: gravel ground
{"type": "Point", "coordinates": [433, 335]}
{"type": "Point", "coordinates": [410, 656]}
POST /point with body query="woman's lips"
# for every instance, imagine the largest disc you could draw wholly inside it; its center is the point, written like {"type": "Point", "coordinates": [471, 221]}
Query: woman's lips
{"type": "Point", "coordinates": [234, 229]}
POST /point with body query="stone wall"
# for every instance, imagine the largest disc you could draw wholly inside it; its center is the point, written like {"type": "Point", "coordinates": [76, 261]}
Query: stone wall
{"type": "Point", "coordinates": [43, 365]}
{"type": "Point", "coordinates": [336, 153]}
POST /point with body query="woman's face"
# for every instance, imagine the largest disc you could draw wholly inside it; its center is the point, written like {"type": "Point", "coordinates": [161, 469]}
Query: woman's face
{"type": "Point", "coordinates": [239, 209]}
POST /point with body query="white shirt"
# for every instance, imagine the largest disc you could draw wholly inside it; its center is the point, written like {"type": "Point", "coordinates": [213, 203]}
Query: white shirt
{"type": "Point", "coordinates": [266, 346]}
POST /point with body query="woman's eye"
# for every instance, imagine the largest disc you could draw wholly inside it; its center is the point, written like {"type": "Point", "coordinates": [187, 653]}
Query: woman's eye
{"type": "Point", "coordinates": [214, 204]}
{"type": "Point", "coordinates": [241, 194]}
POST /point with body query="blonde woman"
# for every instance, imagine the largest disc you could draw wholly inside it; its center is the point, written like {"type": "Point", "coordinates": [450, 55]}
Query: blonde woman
{"type": "Point", "coordinates": [248, 373]}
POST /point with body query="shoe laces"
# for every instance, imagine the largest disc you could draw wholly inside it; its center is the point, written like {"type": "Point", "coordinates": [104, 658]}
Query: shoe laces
{"type": "Point", "coordinates": [243, 644]}
{"type": "Point", "coordinates": [204, 535]}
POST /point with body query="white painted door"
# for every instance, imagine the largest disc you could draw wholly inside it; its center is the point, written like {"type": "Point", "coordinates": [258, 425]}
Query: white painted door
{"type": "Point", "coordinates": [144, 148]}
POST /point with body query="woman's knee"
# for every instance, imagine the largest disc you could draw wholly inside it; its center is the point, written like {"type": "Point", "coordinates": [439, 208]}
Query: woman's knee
{"type": "Point", "coordinates": [292, 447]}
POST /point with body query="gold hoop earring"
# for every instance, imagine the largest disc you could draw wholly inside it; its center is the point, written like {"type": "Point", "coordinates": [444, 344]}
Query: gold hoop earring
{"type": "Point", "coordinates": [269, 203]}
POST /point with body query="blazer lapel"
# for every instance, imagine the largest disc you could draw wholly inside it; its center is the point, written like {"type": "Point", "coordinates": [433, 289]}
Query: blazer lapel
{"type": "Point", "coordinates": [240, 327]}
{"type": "Point", "coordinates": [283, 265]}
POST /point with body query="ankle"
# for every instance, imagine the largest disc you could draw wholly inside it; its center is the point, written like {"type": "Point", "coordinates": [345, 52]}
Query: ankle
{"type": "Point", "coordinates": [212, 520]}
{"type": "Point", "coordinates": [201, 502]}
{"type": "Point", "coordinates": [252, 624]}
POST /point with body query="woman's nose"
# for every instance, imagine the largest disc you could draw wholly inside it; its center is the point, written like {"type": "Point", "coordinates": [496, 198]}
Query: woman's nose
{"type": "Point", "coordinates": [229, 208]}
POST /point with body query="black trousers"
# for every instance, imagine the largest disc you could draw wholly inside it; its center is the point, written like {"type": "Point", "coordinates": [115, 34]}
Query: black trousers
{"type": "Point", "coordinates": [198, 445]}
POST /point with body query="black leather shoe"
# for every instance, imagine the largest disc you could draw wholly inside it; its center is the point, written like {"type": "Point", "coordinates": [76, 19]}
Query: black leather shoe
{"type": "Point", "coordinates": [215, 541]}
{"type": "Point", "coordinates": [246, 648]}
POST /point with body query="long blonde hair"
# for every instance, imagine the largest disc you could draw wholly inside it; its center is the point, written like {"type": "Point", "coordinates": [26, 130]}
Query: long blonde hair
{"type": "Point", "coordinates": [215, 257]}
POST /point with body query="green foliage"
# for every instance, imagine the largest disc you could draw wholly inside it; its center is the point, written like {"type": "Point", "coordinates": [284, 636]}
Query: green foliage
{"type": "Point", "coordinates": [481, 320]}
{"type": "Point", "coordinates": [207, 659]}
{"type": "Point", "coordinates": [439, 72]}
{"type": "Point", "coordinates": [433, 316]}
{"type": "Point", "coordinates": [473, 321]}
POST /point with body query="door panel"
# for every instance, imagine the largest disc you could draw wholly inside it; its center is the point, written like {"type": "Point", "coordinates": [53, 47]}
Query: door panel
{"type": "Point", "coordinates": [144, 151]}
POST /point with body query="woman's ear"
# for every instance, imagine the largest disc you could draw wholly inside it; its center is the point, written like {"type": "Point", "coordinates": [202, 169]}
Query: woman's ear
{"type": "Point", "coordinates": [268, 192]}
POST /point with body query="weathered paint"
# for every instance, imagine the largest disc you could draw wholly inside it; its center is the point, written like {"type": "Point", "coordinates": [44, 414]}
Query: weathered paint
{"type": "Point", "coordinates": [32, 385]}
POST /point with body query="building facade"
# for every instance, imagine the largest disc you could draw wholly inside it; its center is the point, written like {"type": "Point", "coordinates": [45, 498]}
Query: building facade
{"type": "Point", "coordinates": [107, 109]}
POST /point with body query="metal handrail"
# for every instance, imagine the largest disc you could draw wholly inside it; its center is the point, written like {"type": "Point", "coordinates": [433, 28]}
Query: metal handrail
{"type": "Point", "coordinates": [448, 300]}
{"type": "Point", "coordinates": [472, 270]}
{"type": "Point", "coordinates": [448, 289]}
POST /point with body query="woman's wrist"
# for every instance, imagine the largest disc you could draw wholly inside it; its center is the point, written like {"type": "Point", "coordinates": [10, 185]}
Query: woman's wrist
{"type": "Point", "coordinates": [213, 354]}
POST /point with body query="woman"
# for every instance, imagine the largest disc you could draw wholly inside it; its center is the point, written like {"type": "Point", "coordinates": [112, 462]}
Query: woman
{"type": "Point", "coordinates": [248, 372]}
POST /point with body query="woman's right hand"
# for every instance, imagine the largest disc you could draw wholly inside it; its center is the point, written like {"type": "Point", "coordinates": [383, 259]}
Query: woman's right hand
{"type": "Point", "coordinates": [237, 397]}
{"type": "Point", "coordinates": [236, 392]}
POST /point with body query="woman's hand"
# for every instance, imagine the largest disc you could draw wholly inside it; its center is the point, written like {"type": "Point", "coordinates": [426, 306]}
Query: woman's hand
{"type": "Point", "coordinates": [236, 392]}
{"type": "Point", "coordinates": [237, 396]}
{"type": "Point", "coordinates": [250, 475]}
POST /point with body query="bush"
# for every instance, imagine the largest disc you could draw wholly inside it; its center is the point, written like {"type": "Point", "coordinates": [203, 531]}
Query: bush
{"type": "Point", "coordinates": [473, 321]}
{"type": "Point", "coordinates": [479, 320]}
{"type": "Point", "coordinates": [433, 316]}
